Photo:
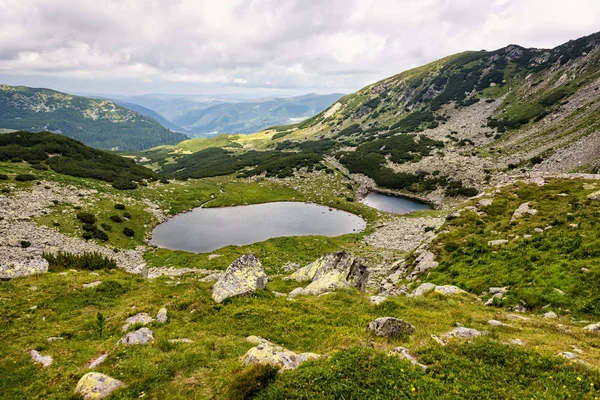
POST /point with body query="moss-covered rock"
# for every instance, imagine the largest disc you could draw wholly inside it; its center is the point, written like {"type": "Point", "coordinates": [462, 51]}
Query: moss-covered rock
{"type": "Point", "coordinates": [95, 386]}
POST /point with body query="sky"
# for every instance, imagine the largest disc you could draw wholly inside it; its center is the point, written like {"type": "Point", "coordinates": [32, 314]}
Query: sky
{"type": "Point", "coordinates": [261, 47]}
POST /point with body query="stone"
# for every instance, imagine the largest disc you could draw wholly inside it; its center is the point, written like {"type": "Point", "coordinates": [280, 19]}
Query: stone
{"type": "Point", "coordinates": [463, 333]}
{"type": "Point", "coordinates": [98, 361]}
{"type": "Point", "coordinates": [557, 290]}
{"type": "Point", "coordinates": [497, 290]}
{"type": "Point", "coordinates": [266, 352]}
{"type": "Point", "coordinates": [422, 290]}
{"type": "Point", "coordinates": [497, 242]}
{"type": "Point", "coordinates": [593, 327]}
{"type": "Point", "coordinates": [518, 342]}
{"type": "Point", "coordinates": [184, 340]}
{"type": "Point", "coordinates": [391, 327]}
{"type": "Point", "coordinates": [27, 267]}
{"type": "Point", "coordinates": [141, 318]}
{"type": "Point", "coordinates": [490, 301]}
{"type": "Point", "coordinates": [331, 272]}
{"type": "Point", "coordinates": [568, 355]}
{"type": "Point", "coordinates": [161, 317]}
{"type": "Point", "coordinates": [92, 284]}
{"type": "Point", "coordinates": [141, 336]}
{"type": "Point", "coordinates": [522, 210]}
{"type": "Point", "coordinates": [37, 358]}
{"type": "Point", "coordinates": [243, 277]}
{"type": "Point", "coordinates": [550, 315]}
{"type": "Point", "coordinates": [377, 299]}
{"type": "Point", "coordinates": [55, 339]}
{"type": "Point", "coordinates": [279, 294]}
{"type": "Point", "coordinates": [424, 262]}
{"type": "Point", "coordinates": [448, 290]}
{"type": "Point", "coordinates": [96, 386]}
{"type": "Point", "coordinates": [213, 256]}
{"type": "Point", "coordinates": [494, 322]}
{"type": "Point", "coordinates": [453, 215]}
{"type": "Point", "coordinates": [485, 202]}
{"type": "Point", "coordinates": [594, 196]}
{"type": "Point", "coordinates": [404, 353]}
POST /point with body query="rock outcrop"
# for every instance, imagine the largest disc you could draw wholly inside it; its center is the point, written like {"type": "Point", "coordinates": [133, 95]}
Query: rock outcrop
{"type": "Point", "coordinates": [243, 277]}
{"type": "Point", "coordinates": [96, 386]}
{"type": "Point", "coordinates": [445, 290]}
{"type": "Point", "coordinates": [330, 272]}
{"type": "Point", "coordinates": [266, 352]}
{"type": "Point", "coordinates": [27, 267]}
{"type": "Point", "coordinates": [522, 210]}
{"type": "Point", "coordinates": [391, 327]}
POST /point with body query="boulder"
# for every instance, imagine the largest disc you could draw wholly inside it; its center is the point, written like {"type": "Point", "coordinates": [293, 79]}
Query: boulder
{"type": "Point", "coordinates": [243, 277]}
{"type": "Point", "coordinates": [37, 358]}
{"type": "Point", "coordinates": [161, 317]}
{"type": "Point", "coordinates": [266, 352]}
{"type": "Point", "coordinates": [330, 272]}
{"type": "Point", "coordinates": [141, 336]}
{"type": "Point", "coordinates": [391, 327]}
{"type": "Point", "coordinates": [92, 284]}
{"type": "Point", "coordinates": [594, 196]}
{"type": "Point", "coordinates": [93, 386]}
{"type": "Point", "coordinates": [568, 355]}
{"type": "Point", "coordinates": [494, 322]}
{"type": "Point", "coordinates": [424, 262]}
{"type": "Point", "coordinates": [26, 268]}
{"type": "Point", "coordinates": [423, 289]}
{"type": "Point", "coordinates": [403, 352]}
{"type": "Point", "coordinates": [448, 290]}
{"type": "Point", "coordinates": [550, 315]}
{"type": "Point", "coordinates": [522, 210]}
{"type": "Point", "coordinates": [497, 242]}
{"type": "Point", "coordinates": [377, 299]}
{"type": "Point", "coordinates": [485, 202]}
{"type": "Point", "coordinates": [141, 318]}
{"type": "Point", "coordinates": [463, 333]}
{"type": "Point", "coordinates": [593, 327]}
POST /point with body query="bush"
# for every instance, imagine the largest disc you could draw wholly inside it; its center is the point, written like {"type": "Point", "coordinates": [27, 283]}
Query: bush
{"type": "Point", "coordinates": [119, 206]}
{"type": "Point", "coordinates": [86, 218]}
{"type": "Point", "coordinates": [122, 184]}
{"type": "Point", "coordinates": [40, 167]}
{"type": "Point", "coordinates": [87, 235]}
{"type": "Point", "coordinates": [126, 215]}
{"type": "Point", "coordinates": [3, 177]}
{"type": "Point", "coordinates": [101, 235]}
{"type": "Point", "coordinates": [89, 227]}
{"type": "Point", "coordinates": [25, 244]}
{"type": "Point", "coordinates": [106, 227]}
{"type": "Point", "coordinates": [5, 190]}
{"type": "Point", "coordinates": [115, 218]}
{"type": "Point", "coordinates": [247, 383]}
{"type": "Point", "coordinates": [25, 178]}
{"type": "Point", "coordinates": [128, 232]}
{"type": "Point", "coordinates": [164, 180]}
{"type": "Point", "coordinates": [87, 261]}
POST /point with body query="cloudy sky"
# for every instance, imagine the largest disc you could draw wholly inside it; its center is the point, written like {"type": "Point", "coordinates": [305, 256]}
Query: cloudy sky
{"type": "Point", "coordinates": [261, 46]}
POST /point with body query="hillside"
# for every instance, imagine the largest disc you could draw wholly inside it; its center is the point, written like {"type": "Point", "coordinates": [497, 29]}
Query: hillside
{"type": "Point", "coordinates": [151, 114]}
{"type": "Point", "coordinates": [97, 123]}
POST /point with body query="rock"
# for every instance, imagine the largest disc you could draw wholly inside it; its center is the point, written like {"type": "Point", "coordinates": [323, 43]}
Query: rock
{"type": "Point", "coordinates": [568, 355]}
{"type": "Point", "coordinates": [330, 272]}
{"type": "Point", "coordinates": [463, 333]}
{"type": "Point", "coordinates": [497, 290]}
{"type": "Point", "coordinates": [161, 317]}
{"type": "Point", "coordinates": [559, 291]}
{"type": "Point", "coordinates": [25, 268]}
{"type": "Point", "coordinates": [527, 236]}
{"type": "Point", "coordinates": [448, 290]}
{"type": "Point", "coordinates": [243, 277]}
{"type": "Point", "coordinates": [497, 242]}
{"type": "Point", "coordinates": [494, 322]}
{"type": "Point", "coordinates": [594, 196]}
{"type": "Point", "coordinates": [92, 284]}
{"type": "Point", "coordinates": [95, 386]}
{"type": "Point", "coordinates": [539, 230]}
{"type": "Point", "coordinates": [424, 262]}
{"type": "Point", "coordinates": [213, 256]}
{"type": "Point", "coordinates": [184, 340]}
{"type": "Point", "coordinates": [518, 342]}
{"type": "Point", "coordinates": [391, 327]}
{"type": "Point", "coordinates": [377, 299]}
{"type": "Point", "coordinates": [453, 215]}
{"type": "Point", "coordinates": [279, 294]}
{"type": "Point", "coordinates": [141, 336]}
{"type": "Point", "coordinates": [517, 317]}
{"type": "Point", "coordinates": [550, 315]}
{"type": "Point", "coordinates": [98, 361]}
{"type": "Point", "coordinates": [55, 339]}
{"type": "Point", "coordinates": [490, 301]}
{"type": "Point", "coordinates": [403, 352]}
{"type": "Point", "coordinates": [522, 210]}
{"type": "Point", "coordinates": [142, 270]}
{"type": "Point", "coordinates": [485, 202]}
{"type": "Point", "coordinates": [141, 318]}
{"type": "Point", "coordinates": [268, 353]}
{"type": "Point", "coordinates": [593, 327]}
{"type": "Point", "coordinates": [36, 357]}
{"type": "Point", "coordinates": [422, 289]}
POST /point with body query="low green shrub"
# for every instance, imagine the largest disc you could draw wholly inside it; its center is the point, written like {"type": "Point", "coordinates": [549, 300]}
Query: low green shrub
{"type": "Point", "coordinates": [249, 381]}
{"type": "Point", "coordinates": [119, 206]}
{"type": "Point", "coordinates": [86, 217]}
{"type": "Point", "coordinates": [128, 232]}
{"type": "Point", "coordinates": [86, 261]}
{"type": "Point", "coordinates": [127, 215]}
{"type": "Point", "coordinates": [25, 178]}
{"type": "Point", "coordinates": [116, 218]}
{"type": "Point", "coordinates": [122, 184]}
{"type": "Point", "coordinates": [25, 244]}
{"type": "Point", "coordinates": [3, 177]}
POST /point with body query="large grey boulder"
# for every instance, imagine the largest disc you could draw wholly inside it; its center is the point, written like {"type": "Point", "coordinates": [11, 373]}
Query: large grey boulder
{"type": "Point", "coordinates": [330, 272]}
{"type": "Point", "coordinates": [37, 358]}
{"type": "Point", "coordinates": [266, 352]}
{"type": "Point", "coordinates": [141, 318]}
{"type": "Point", "coordinates": [29, 267]}
{"type": "Point", "coordinates": [243, 277]}
{"type": "Point", "coordinates": [464, 333]}
{"type": "Point", "coordinates": [141, 336]}
{"type": "Point", "coordinates": [93, 386]}
{"type": "Point", "coordinates": [391, 327]}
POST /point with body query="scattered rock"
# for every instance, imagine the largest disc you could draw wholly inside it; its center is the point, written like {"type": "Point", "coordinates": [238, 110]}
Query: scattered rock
{"type": "Point", "coordinates": [448, 290]}
{"type": "Point", "coordinates": [141, 318]}
{"type": "Point", "coordinates": [494, 322]}
{"type": "Point", "coordinates": [517, 317]}
{"type": "Point", "coordinates": [278, 294]}
{"type": "Point", "coordinates": [141, 336]}
{"type": "Point", "coordinates": [593, 327]}
{"type": "Point", "coordinates": [463, 333]}
{"type": "Point", "coordinates": [213, 256]}
{"type": "Point", "coordinates": [377, 299]}
{"type": "Point", "coordinates": [36, 357]}
{"type": "Point", "coordinates": [497, 242]}
{"type": "Point", "coordinates": [405, 354]}
{"type": "Point", "coordinates": [184, 340]}
{"type": "Point", "coordinates": [485, 202]}
{"type": "Point", "coordinates": [268, 353]}
{"type": "Point", "coordinates": [98, 361]}
{"type": "Point", "coordinates": [550, 315]}
{"type": "Point", "coordinates": [518, 342]}
{"type": "Point", "coordinates": [161, 317]}
{"type": "Point", "coordinates": [424, 262]}
{"type": "Point", "coordinates": [96, 386]}
{"type": "Point", "coordinates": [55, 338]}
{"type": "Point", "coordinates": [25, 268]}
{"type": "Point", "coordinates": [594, 196]}
{"type": "Point", "coordinates": [243, 277]}
{"type": "Point", "coordinates": [92, 284]}
{"type": "Point", "coordinates": [391, 327]}
{"type": "Point", "coordinates": [330, 272]}
{"type": "Point", "coordinates": [454, 215]}
{"type": "Point", "coordinates": [422, 290]}
{"type": "Point", "coordinates": [568, 355]}
{"type": "Point", "coordinates": [522, 210]}
{"type": "Point", "coordinates": [498, 290]}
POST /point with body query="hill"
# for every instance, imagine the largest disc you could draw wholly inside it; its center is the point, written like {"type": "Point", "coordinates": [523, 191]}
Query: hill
{"type": "Point", "coordinates": [97, 123]}
{"type": "Point", "coordinates": [151, 114]}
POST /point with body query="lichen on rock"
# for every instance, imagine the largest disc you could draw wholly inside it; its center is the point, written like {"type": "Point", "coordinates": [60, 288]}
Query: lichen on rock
{"type": "Point", "coordinates": [96, 386]}
{"type": "Point", "coordinates": [243, 277]}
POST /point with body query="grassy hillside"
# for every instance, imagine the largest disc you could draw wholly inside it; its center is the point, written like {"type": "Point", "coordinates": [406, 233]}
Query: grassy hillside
{"type": "Point", "coordinates": [97, 123]}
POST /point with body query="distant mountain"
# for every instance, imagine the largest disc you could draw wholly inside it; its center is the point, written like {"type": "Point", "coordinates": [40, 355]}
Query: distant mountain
{"type": "Point", "coordinates": [171, 107]}
{"type": "Point", "coordinates": [96, 122]}
{"type": "Point", "coordinates": [151, 114]}
{"type": "Point", "coordinates": [253, 116]}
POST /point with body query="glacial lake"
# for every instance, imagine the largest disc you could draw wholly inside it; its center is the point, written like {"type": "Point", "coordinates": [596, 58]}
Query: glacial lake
{"type": "Point", "coordinates": [206, 229]}
{"type": "Point", "coordinates": [393, 204]}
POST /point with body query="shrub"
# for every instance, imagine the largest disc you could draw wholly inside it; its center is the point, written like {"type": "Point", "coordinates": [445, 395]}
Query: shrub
{"type": "Point", "coordinates": [101, 235]}
{"type": "Point", "coordinates": [126, 215]}
{"type": "Point", "coordinates": [128, 232]}
{"type": "Point", "coordinates": [87, 261]}
{"type": "Point", "coordinates": [87, 235]}
{"type": "Point", "coordinates": [122, 184]}
{"type": "Point", "coordinates": [3, 177]}
{"type": "Point", "coordinates": [86, 218]}
{"type": "Point", "coordinates": [115, 218]}
{"type": "Point", "coordinates": [25, 244]}
{"type": "Point", "coordinates": [119, 206]}
{"type": "Point", "coordinates": [89, 227]}
{"type": "Point", "coordinates": [247, 383]}
{"type": "Point", "coordinates": [164, 180]}
{"type": "Point", "coordinates": [25, 178]}
{"type": "Point", "coordinates": [40, 167]}
{"type": "Point", "coordinates": [106, 227]}
{"type": "Point", "coordinates": [5, 190]}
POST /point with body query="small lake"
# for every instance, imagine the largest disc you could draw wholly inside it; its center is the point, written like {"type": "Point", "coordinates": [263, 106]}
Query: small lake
{"type": "Point", "coordinates": [393, 204]}
{"type": "Point", "coordinates": [206, 229]}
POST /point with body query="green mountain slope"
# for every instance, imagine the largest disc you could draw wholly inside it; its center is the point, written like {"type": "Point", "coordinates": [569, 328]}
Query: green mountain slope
{"type": "Point", "coordinates": [97, 123]}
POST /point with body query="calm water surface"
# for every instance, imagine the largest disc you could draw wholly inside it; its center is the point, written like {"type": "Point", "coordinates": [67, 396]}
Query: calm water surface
{"type": "Point", "coordinates": [393, 204]}
{"type": "Point", "coordinates": [206, 229]}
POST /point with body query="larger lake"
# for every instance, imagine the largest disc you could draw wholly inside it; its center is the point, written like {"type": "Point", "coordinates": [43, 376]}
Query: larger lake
{"type": "Point", "coordinates": [393, 204]}
{"type": "Point", "coordinates": [206, 229]}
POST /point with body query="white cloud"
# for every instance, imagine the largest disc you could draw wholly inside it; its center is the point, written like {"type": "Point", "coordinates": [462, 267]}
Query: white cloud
{"type": "Point", "coordinates": [290, 44]}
